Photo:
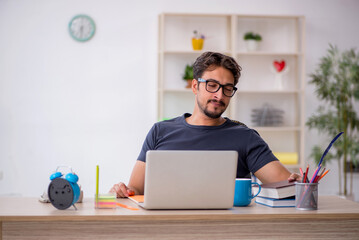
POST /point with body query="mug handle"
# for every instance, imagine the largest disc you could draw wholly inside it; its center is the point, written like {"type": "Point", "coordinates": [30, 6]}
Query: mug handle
{"type": "Point", "coordinates": [259, 189]}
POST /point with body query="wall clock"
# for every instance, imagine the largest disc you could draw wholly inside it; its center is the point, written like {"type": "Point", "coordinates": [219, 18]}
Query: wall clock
{"type": "Point", "coordinates": [82, 28]}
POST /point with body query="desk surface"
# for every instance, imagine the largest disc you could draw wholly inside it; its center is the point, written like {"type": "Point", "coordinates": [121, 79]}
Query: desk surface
{"type": "Point", "coordinates": [14, 209]}
{"type": "Point", "coordinates": [27, 218]}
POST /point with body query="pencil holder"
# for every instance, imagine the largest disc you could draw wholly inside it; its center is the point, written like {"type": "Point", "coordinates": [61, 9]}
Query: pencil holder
{"type": "Point", "coordinates": [106, 200]}
{"type": "Point", "coordinates": [306, 196]}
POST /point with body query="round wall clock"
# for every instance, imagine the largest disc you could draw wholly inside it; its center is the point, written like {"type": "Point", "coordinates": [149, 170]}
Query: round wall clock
{"type": "Point", "coordinates": [82, 28]}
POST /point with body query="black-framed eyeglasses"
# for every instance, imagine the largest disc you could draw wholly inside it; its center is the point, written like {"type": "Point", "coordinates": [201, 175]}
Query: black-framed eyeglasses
{"type": "Point", "coordinates": [213, 86]}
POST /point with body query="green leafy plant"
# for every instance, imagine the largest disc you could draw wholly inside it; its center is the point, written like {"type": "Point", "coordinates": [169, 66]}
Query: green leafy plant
{"type": "Point", "coordinates": [188, 72]}
{"type": "Point", "coordinates": [336, 82]}
{"type": "Point", "coordinates": [252, 36]}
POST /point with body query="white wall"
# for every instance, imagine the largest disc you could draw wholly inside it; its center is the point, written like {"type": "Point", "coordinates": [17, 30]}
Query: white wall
{"type": "Point", "coordinates": [80, 104]}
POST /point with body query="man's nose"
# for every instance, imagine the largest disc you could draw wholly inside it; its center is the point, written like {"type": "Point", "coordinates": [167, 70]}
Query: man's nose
{"type": "Point", "coordinates": [219, 94]}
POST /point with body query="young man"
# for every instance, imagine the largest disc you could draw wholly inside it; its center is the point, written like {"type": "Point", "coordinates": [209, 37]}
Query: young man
{"type": "Point", "coordinates": [215, 76]}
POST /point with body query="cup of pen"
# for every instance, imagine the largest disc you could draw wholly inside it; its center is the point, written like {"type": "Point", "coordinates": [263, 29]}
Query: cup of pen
{"type": "Point", "coordinates": [306, 196]}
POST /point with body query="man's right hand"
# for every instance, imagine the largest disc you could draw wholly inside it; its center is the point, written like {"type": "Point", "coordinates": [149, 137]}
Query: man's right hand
{"type": "Point", "coordinates": [122, 190]}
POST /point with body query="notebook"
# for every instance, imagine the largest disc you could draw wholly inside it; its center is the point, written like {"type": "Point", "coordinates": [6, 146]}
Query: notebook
{"type": "Point", "coordinates": [273, 202]}
{"type": "Point", "coordinates": [189, 180]}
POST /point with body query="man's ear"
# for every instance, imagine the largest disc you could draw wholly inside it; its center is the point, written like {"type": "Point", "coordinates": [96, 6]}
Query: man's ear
{"type": "Point", "coordinates": [194, 86]}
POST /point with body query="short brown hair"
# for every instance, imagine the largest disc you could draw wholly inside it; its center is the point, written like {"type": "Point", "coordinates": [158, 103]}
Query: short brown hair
{"type": "Point", "coordinates": [214, 59]}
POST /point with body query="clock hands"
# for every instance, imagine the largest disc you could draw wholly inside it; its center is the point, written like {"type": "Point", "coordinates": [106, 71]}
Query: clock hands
{"type": "Point", "coordinates": [82, 28]}
{"type": "Point", "coordinates": [82, 31]}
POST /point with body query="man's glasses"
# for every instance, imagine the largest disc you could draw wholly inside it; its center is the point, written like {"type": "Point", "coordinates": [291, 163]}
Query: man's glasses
{"type": "Point", "coordinates": [213, 86]}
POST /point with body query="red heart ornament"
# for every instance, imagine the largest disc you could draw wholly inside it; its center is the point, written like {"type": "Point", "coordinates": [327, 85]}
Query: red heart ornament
{"type": "Point", "coordinates": [279, 65]}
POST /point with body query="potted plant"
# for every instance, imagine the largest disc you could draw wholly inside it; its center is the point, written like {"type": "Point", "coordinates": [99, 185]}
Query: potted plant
{"type": "Point", "coordinates": [336, 82]}
{"type": "Point", "coordinates": [188, 75]}
{"type": "Point", "coordinates": [252, 41]}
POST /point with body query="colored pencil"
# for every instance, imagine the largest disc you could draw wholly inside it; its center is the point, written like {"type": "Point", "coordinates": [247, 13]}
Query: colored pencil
{"type": "Point", "coordinates": [325, 173]}
{"type": "Point", "coordinates": [306, 174]}
{"type": "Point", "coordinates": [315, 173]}
{"type": "Point", "coordinates": [97, 180]}
{"type": "Point", "coordinates": [302, 174]}
{"type": "Point", "coordinates": [321, 172]}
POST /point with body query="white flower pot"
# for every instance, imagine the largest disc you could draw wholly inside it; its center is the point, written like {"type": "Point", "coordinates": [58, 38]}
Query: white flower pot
{"type": "Point", "coordinates": [252, 45]}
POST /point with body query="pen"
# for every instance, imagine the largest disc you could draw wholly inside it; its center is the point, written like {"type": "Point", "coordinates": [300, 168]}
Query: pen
{"type": "Point", "coordinates": [301, 172]}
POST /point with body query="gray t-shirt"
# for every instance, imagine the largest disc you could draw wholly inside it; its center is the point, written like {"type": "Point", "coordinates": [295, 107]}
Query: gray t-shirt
{"type": "Point", "coordinates": [177, 134]}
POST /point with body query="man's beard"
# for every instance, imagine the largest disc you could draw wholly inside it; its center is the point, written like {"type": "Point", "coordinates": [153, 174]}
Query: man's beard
{"type": "Point", "coordinates": [213, 115]}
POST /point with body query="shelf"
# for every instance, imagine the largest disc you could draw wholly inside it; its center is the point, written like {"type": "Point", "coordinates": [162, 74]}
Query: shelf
{"type": "Point", "coordinates": [198, 52]}
{"type": "Point", "coordinates": [178, 31]}
{"type": "Point", "coordinates": [282, 39]}
{"type": "Point", "coordinates": [274, 129]}
{"type": "Point", "coordinates": [270, 53]}
{"type": "Point", "coordinates": [211, 15]}
{"type": "Point", "coordinates": [270, 17]}
{"type": "Point", "coordinates": [268, 91]}
{"type": "Point", "coordinates": [183, 52]}
{"type": "Point", "coordinates": [188, 90]}
{"type": "Point", "coordinates": [183, 90]}
{"type": "Point", "coordinates": [194, 52]}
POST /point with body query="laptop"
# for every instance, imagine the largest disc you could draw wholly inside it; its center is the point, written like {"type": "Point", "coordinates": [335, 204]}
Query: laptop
{"type": "Point", "coordinates": [189, 180]}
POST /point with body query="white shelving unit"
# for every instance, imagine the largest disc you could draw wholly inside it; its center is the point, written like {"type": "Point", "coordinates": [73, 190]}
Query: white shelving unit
{"type": "Point", "coordinates": [283, 39]}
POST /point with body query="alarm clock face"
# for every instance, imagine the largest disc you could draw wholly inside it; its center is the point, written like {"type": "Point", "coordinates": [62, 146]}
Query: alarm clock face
{"type": "Point", "coordinates": [82, 28]}
{"type": "Point", "coordinates": [60, 193]}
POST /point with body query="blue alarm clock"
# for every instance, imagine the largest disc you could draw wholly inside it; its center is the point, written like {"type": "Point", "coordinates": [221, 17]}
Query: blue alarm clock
{"type": "Point", "coordinates": [63, 190]}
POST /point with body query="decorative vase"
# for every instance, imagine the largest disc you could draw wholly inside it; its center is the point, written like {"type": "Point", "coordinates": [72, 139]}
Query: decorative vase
{"type": "Point", "coordinates": [279, 69]}
{"type": "Point", "coordinates": [189, 83]}
{"type": "Point", "coordinates": [197, 43]}
{"type": "Point", "coordinates": [252, 45]}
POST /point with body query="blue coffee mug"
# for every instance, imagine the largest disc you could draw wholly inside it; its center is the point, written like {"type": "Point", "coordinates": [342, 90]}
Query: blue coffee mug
{"type": "Point", "coordinates": [243, 192]}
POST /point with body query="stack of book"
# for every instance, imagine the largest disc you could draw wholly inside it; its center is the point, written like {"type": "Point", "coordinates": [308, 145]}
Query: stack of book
{"type": "Point", "coordinates": [278, 194]}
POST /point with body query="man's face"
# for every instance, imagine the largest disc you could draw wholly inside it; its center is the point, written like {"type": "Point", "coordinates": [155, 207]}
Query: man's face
{"type": "Point", "coordinates": [213, 104]}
